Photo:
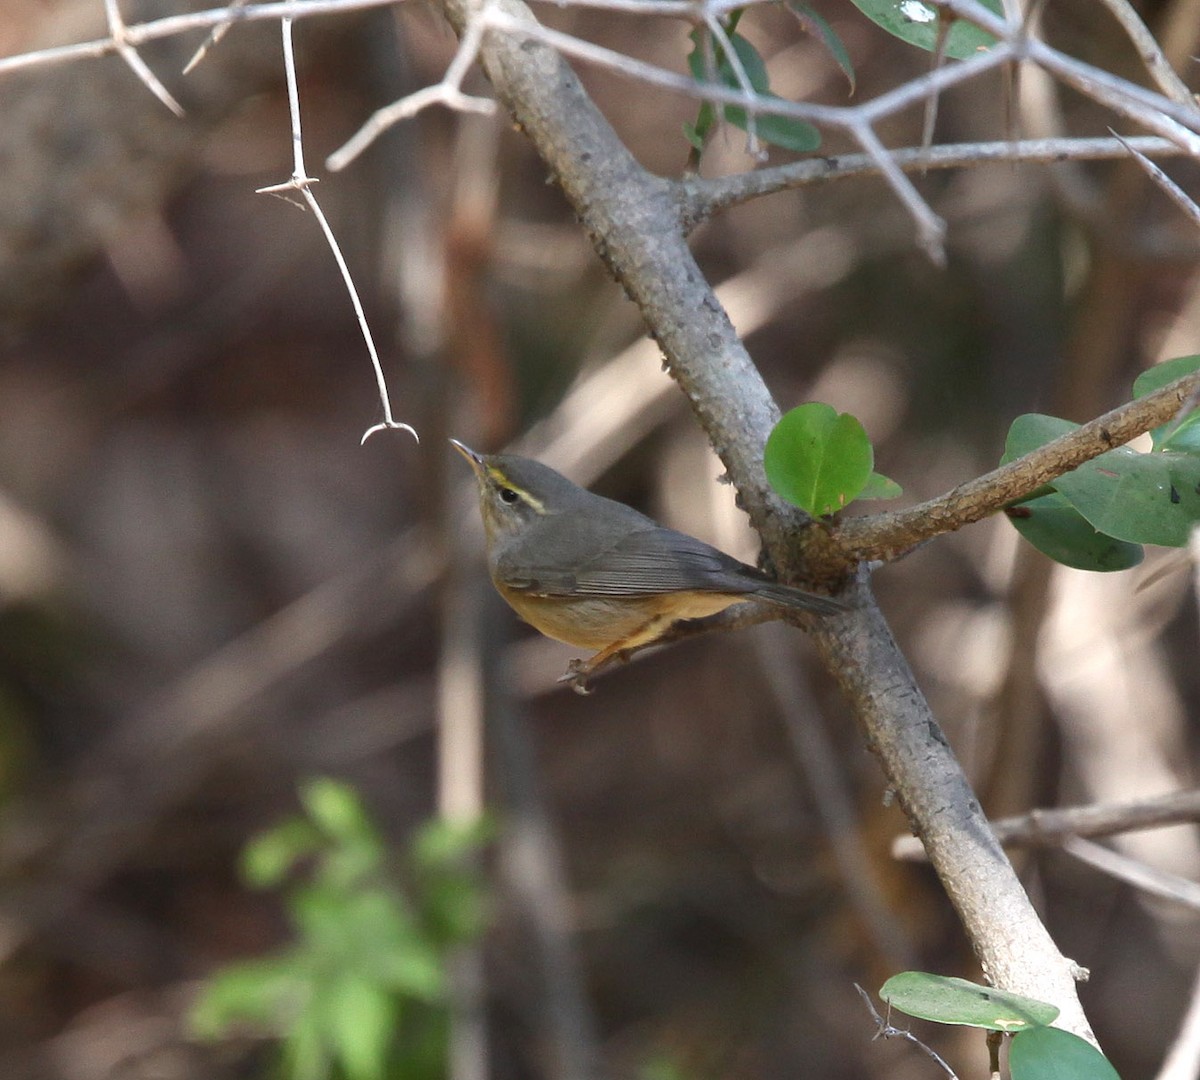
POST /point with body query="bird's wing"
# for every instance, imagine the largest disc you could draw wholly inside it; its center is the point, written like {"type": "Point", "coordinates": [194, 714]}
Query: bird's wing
{"type": "Point", "coordinates": [643, 563]}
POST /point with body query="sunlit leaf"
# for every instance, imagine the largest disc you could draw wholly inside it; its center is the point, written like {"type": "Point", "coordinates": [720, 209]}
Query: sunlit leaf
{"type": "Point", "coordinates": [265, 994]}
{"type": "Point", "coordinates": [917, 23]}
{"type": "Point", "coordinates": [957, 1001]}
{"type": "Point", "coordinates": [268, 857]}
{"type": "Point", "coordinates": [879, 486]}
{"type": "Point", "coordinates": [818, 459]}
{"type": "Point", "coordinates": [361, 1020]}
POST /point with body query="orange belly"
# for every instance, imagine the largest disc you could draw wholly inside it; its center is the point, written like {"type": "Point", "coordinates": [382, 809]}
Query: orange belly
{"type": "Point", "coordinates": [597, 622]}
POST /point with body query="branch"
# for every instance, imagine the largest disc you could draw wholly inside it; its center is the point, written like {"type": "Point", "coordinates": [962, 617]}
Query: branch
{"type": "Point", "coordinates": [1148, 879]}
{"type": "Point", "coordinates": [703, 197]}
{"type": "Point", "coordinates": [887, 536]}
{"type": "Point", "coordinates": [633, 220]}
{"type": "Point", "coordinates": [1048, 828]}
{"type": "Point", "coordinates": [173, 25]}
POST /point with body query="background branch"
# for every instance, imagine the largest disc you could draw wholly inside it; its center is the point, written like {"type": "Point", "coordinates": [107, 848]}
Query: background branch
{"type": "Point", "coordinates": [1048, 828]}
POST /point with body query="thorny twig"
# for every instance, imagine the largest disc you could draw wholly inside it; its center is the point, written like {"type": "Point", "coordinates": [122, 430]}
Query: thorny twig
{"type": "Point", "coordinates": [119, 36]}
{"type": "Point", "coordinates": [1167, 114]}
{"type": "Point", "coordinates": [885, 1030]}
{"type": "Point", "coordinates": [301, 182]}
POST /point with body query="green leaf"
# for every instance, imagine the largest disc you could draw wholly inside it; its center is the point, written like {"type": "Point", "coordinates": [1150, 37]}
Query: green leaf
{"type": "Point", "coordinates": [818, 459]}
{"type": "Point", "coordinates": [879, 486]}
{"type": "Point", "coordinates": [1155, 378]}
{"type": "Point", "coordinates": [786, 132]}
{"type": "Point", "coordinates": [262, 993]}
{"type": "Point", "coordinates": [336, 808]}
{"type": "Point", "coordinates": [957, 1001]}
{"type": "Point", "coordinates": [1143, 498]}
{"type": "Point", "coordinates": [306, 1049]}
{"type": "Point", "coordinates": [439, 843]}
{"type": "Point", "coordinates": [1183, 435]}
{"type": "Point", "coordinates": [360, 1018]}
{"type": "Point", "coordinates": [816, 25]}
{"type": "Point", "coordinates": [1057, 529]}
{"type": "Point", "coordinates": [268, 857]}
{"type": "Point", "coordinates": [782, 131]}
{"type": "Point", "coordinates": [693, 134]}
{"type": "Point", "coordinates": [1140, 498]}
{"type": "Point", "coordinates": [917, 23]}
{"type": "Point", "coordinates": [1051, 1054]}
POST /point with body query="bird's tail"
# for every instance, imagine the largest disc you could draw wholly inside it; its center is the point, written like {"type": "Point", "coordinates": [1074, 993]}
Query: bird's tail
{"type": "Point", "coordinates": [789, 596]}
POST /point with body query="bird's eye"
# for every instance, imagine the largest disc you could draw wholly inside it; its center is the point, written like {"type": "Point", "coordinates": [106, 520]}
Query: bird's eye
{"type": "Point", "coordinates": [507, 495]}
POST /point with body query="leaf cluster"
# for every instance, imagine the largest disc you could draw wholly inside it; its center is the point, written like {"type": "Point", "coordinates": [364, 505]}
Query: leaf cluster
{"type": "Point", "coordinates": [361, 993]}
{"type": "Point", "coordinates": [1036, 1051]}
{"type": "Point", "coordinates": [1099, 516]}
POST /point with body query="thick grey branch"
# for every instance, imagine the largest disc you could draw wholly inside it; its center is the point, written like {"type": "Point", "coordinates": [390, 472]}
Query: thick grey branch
{"type": "Point", "coordinates": [634, 221]}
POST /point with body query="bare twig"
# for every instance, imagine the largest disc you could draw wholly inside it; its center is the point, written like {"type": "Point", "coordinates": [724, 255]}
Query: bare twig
{"type": "Point", "coordinates": [301, 182]}
{"type": "Point", "coordinates": [704, 197]}
{"type": "Point", "coordinates": [1048, 828]}
{"type": "Point", "coordinates": [119, 36]}
{"type": "Point", "coordinates": [1177, 195]}
{"type": "Point", "coordinates": [886, 536]}
{"type": "Point", "coordinates": [1151, 52]}
{"type": "Point", "coordinates": [448, 92]}
{"type": "Point", "coordinates": [1132, 872]}
{"type": "Point", "coordinates": [885, 1030]}
{"type": "Point", "coordinates": [212, 40]}
{"type": "Point", "coordinates": [173, 25]}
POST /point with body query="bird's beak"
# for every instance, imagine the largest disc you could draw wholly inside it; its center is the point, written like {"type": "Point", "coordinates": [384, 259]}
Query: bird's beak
{"type": "Point", "coordinates": [475, 459]}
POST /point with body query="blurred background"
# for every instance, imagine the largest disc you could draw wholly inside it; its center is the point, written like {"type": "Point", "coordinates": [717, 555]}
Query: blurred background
{"type": "Point", "coordinates": [210, 592]}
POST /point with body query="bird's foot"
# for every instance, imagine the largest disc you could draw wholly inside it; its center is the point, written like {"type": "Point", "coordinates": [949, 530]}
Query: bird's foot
{"type": "Point", "coordinates": [577, 675]}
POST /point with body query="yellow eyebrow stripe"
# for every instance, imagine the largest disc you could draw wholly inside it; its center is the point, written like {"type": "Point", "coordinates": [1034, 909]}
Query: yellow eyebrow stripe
{"type": "Point", "coordinates": [497, 477]}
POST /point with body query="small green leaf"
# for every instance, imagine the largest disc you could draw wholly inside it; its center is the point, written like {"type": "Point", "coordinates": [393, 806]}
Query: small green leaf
{"type": "Point", "coordinates": [306, 1048]}
{"type": "Point", "coordinates": [1155, 378]}
{"type": "Point", "coordinates": [817, 25]}
{"type": "Point", "coordinates": [957, 1001]}
{"type": "Point", "coordinates": [818, 459]}
{"type": "Point", "coordinates": [1140, 498]}
{"type": "Point", "coordinates": [786, 132]}
{"type": "Point", "coordinates": [266, 994]}
{"type": "Point", "coordinates": [782, 131]}
{"type": "Point", "coordinates": [336, 808]}
{"type": "Point", "coordinates": [917, 23]}
{"type": "Point", "coordinates": [1051, 1054]}
{"type": "Point", "coordinates": [691, 132]}
{"type": "Point", "coordinates": [269, 856]}
{"type": "Point", "coordinates": [879, 486]}
{"type": "Point", "coordinates": [1057, 529]}
{"type": "Point", "coordinates": [360, 1018]}
{"type": "Point", "coordinates": [439, 843]}
{"type": "Point", "coordinates": [1182, 435]}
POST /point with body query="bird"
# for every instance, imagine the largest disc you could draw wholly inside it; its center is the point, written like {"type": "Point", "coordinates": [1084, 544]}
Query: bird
{"type": "Point", "coordinates": [595, 573]}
